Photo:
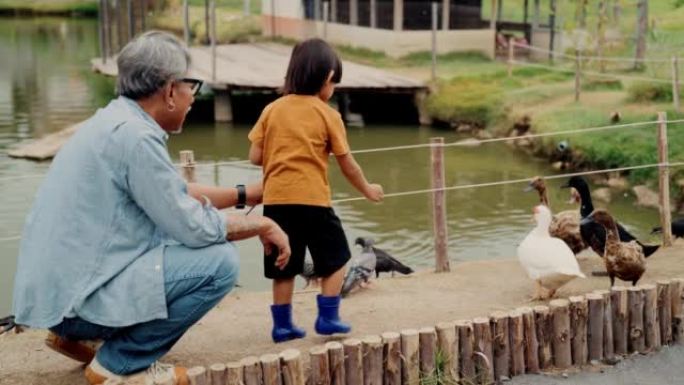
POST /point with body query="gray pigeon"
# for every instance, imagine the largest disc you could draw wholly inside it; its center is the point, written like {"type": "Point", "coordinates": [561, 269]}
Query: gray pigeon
{"type": "Point", "coordinates": [361, 269]}
{"type": "Point", "coordinates": [309, 274]}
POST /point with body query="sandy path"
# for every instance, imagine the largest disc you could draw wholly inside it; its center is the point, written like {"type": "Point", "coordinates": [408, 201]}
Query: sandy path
{"type": "Point", "coordinates": [240, 325]}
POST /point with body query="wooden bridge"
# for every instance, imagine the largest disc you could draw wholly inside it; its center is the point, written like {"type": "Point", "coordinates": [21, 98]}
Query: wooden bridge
{"type": "Point", "coordinates": [261, 67]}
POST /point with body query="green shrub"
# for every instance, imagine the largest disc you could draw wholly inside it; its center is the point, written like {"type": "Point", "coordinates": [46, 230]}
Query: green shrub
{"type": "Point", "coordinates": [466, 101]}
{"type": "Point", "coordinates": [650, 92]}
{"type": "Point", "coordinates": [237, 29]}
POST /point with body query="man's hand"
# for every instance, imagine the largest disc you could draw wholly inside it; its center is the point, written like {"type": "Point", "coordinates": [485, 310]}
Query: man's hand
{"type": "Point", "coordinates": [276, 237]}
{"type": "Point", "coordinates": [270, 234]}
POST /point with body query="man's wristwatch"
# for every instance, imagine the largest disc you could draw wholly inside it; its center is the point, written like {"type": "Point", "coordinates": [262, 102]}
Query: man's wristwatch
{"type": "Point", "coordinates": [241, 196]}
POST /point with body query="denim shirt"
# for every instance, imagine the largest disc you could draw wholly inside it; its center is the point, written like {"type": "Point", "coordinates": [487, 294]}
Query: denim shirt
{"type": "Point", "coordinates": [93, 243]}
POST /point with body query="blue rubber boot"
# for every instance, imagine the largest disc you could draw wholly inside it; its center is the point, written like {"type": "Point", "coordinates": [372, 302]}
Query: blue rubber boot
{"type": "Point", "coordinates": [328, 321]}
{"type": "Point", "coordinates": [283, 328]}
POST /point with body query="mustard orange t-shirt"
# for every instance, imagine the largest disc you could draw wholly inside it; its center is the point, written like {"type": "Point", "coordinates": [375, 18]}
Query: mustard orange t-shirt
{"type": "Point", "coordinates": [297, 133]}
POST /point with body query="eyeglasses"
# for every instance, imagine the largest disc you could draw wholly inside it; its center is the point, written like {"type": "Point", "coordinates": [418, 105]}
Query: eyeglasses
{"type": "Point", "coordinates": [195, 84]}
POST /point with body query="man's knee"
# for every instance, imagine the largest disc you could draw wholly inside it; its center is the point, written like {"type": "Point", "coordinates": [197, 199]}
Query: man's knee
{"type": "Point", "coordinates": [226, 264]}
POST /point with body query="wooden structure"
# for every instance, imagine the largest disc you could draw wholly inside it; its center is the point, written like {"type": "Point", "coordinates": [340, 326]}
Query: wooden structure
{"type": "Point", "coordinates": [484, 351]}
{"type": "Point", "coordinates": [396, 27]}
{"type": "Point", "coordinates": [261, 68]}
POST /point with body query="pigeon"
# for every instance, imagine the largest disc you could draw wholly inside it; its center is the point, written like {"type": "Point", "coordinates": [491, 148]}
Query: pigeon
{"type": "Point", "coordinates": [386, 263]}
{"type": "Point", "coordinates": [361, 268]}
{"type": "Point", "coordinates": [309, 274]}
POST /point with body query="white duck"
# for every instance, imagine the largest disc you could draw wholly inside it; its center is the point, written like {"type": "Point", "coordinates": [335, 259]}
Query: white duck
{"type": "Point", "coordinates": [547, 260]}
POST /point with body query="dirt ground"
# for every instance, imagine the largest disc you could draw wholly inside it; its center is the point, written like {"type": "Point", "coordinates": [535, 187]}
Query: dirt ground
{"type": "Point", "coordinates": [240, 325]}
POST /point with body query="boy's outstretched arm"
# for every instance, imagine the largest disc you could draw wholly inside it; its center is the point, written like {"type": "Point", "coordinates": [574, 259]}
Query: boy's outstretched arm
{"type": "Point", "coordinates": [256, 154]}
{"type": "Point", "coordinates": [352, 171]}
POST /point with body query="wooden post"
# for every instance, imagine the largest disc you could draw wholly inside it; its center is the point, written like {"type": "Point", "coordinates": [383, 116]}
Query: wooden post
{"type": "Point", "coordinates": [434, 41]}
{"type": "Point", "coordinates": [353, 365]}
{"type": "Point", "coordinates": [500, 346]}
{"type": "Point", "coordinates": [336, 356]}
{"type": "Point", "coordinates": [101, 31]}
{"type": "Point", "coordinates": [353, 12]}
{"type": "Point", "coordinates": [326, 15]}
{"type": "Point", "coordinates": [198, 376]}
{"type": "Point", "coordinates": [270, 369]}
{"type": "Point", "coordinates": [217, 374]}
{"type": "Point", "coordinates": [252, 371]}
{"type": "Point", "coordinates": [320, 367]}
{"type": "Point", "coordinates": [511, 56]}
{"type": "Point", "coordinates": [492, 17]}
{"type": "Point", "coordinates": [333, 11]}
{"type": "Point", "coordinates": [516, 331]}
{"type": "Point", "coordinates": [466, 342]}
{"type": "Point", "coordinates": [392, 358]}
{"type": "Point", "coordinates": [446, 14]}
{"type": "Point", "coordinates": [642, 33]}
{"type": "Point", "coordinates": [535, 15]}
{"type": "Point", "coordinates": [373, 13]}
{"type": "Point", "coordinates": [247, 9]}
{"type": "Point", "coordinates": [447, 344]}
{"type": "Point", "coordinates": [428, 349]}
{"type": "Point", "coordinates": [207, 21]}
{"type": "Point", "coordinates": [601, 29]}
{"type": "Point", "coordinates": [372, 360]}
{"type": "Point", "coordinates": [595, 328]}
{"type": "Point", "coordinates": [484, 357]}
{"type": "Point", "coordinates": [398, 19]}
{"type": "Point", "coordinates": [410, 373]}
{"type": "Point", "coordinates": [235, 373]}
{"type": "Point", "coordinates": [187, 158]}
{"type": "Point", "coordinates": [562, 353]}
{"type": "Point", "coordinates": [664, 311]}
{"type": "Point", "coordinates": [291, 364]}
{"type": "Point", "coordinates": [678, 329]}
{"type": "Point", "coordinates": [618, 301]}
{"type": "Point", "coordinates": [186, 23]}
{"type": "Point", "coordinates": [651, 323]}
{"type": "Point", "coordinates": [578, 74]}
{"type": "Point", "coordinates": [117, 24]}
{"type": "Point", "coordinates": [213, 39]}
{"type": "Point", "coordinates": [664, 180]}
{"type": "Point", "coordinates": [544, 328]}
{"type": "Point", "coordinates": [675, 83]}
{"type": "Point", "coordinates": [608, 338]}
{"type": "Point", "coordinates": [439, 224]}
{"type": "Point", "coordinates": [223, 108]}
{"type": "Point", "coordinates": [131, 19]}
{"type": "Point", "coordinates": [531, 344]}
{"type": "Point", "coordinates": [579, 313]}
{"type": "Point", "coordinates": [273, 18]}
{"type": "Point", "coordinates": [635, 299]}
{"type": "Point", "coordinates": [107, 28]}
{"type": "Point", "coordinates": [676, 286]}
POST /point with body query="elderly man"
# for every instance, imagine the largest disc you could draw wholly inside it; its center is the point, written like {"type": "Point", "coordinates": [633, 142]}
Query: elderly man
{"type": "Point", "coordinates": [117, 246]}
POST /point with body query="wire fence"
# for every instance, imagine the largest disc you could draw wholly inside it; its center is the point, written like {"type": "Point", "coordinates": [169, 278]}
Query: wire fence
{"type": "Point", "coordinates": [470, 143]}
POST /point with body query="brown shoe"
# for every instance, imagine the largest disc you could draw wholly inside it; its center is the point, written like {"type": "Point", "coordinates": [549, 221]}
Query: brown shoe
{"type": "Point", "coordinates": [95, 374]}
{"type": "Point", "coordinates": [82, 351]}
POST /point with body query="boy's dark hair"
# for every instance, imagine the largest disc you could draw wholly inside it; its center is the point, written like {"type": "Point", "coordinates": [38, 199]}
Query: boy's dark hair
{"type": "Point", "coordinates": [310, 64]}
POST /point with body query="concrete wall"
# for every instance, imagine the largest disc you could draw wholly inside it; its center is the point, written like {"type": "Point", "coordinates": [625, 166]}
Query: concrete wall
{"type": "Point", "coordinates": [393, 43]}
{"type": "Point", "coordinates": [284, 8]}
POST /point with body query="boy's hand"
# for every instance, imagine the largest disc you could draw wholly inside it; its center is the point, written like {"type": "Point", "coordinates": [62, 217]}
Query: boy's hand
{"type": "Point", "coordinates": [374, 192]}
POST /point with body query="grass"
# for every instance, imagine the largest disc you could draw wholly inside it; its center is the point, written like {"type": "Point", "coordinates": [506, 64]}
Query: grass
{"type": "Point", "coordinates": [51, 7]}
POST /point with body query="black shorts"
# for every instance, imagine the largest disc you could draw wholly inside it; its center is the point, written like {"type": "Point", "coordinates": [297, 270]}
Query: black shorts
{"type": "Point", "coordinates": [315, 227]}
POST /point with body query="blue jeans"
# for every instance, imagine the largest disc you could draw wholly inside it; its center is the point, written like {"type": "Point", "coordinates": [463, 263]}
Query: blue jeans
{"type": "Point", "coordinates": [195, 281]}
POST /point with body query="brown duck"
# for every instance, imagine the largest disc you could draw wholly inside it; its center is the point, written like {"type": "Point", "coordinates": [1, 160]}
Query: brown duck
{"type": "Point", "coordinates": [565, 224]}
{"type": "Point", "coordinates": [624, 260]}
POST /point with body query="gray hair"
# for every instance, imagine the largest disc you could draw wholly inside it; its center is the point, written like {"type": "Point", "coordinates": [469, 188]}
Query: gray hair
{"type": "Point", "coordinates": [148, 62]}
